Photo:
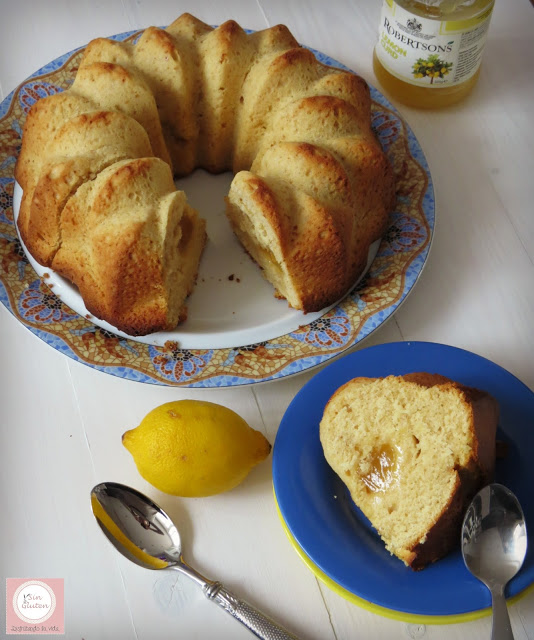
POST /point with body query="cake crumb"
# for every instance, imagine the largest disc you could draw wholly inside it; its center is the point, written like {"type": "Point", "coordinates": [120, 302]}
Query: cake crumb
{"type": "Point", "coordinates": [170, 346]}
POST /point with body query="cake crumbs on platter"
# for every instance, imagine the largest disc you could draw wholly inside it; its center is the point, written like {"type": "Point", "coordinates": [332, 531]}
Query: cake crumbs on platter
{"type": "Point", "coordinates": [170, 346]}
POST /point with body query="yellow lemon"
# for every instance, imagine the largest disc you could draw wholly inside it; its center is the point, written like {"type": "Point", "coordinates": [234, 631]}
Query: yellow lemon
{"type": "Point", "coordinates": [192, 448]}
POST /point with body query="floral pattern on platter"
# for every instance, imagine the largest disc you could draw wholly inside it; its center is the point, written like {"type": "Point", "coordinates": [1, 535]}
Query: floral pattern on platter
{"type": "Point", "coordinates": [6, 200]}
{"type": "Point", "coordinates": [178, 365]}
{"type": "Point", "coordinates": [328, 331]}
{"type": "Point", "coordinates": [404, 234]}
{"type": "Point", "coordinates": [13, 255]}
{"type": "Point", "coordinates": [113, 344]}
{"type": "Point", "coordinates": [248, 356]}
{"type": "Point", "coordinates": [38, 304]}
{"type": "Point", "coordinates": [392, 275]}
{"type": "Point", "coordinates": [31, 92]}
{"type": "Point", "coordinates": [387, 128]}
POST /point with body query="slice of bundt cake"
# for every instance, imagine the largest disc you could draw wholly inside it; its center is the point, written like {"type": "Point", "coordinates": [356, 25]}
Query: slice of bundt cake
{"type": "Point", "coordinates": [296, 223]}
{"type": "Point", "coordinates": [226, 56]}
{"type": "Point", "coordinates": [82, 147]}
{"type": "Point", "coordinates": [188, 32]}
{"type": "Point", "coordinates": [312, 192]}
{"type": "Point", "coordinates": [46, 116]}
{"type": "Point", "coordinates": [167, 72]}
{"type": "Point", "coordinates": [332, 198]}
{"type": "Point", "coordinates": [132, 245]}
{"type": "Point", "coordinates": [412, 450]}
{"type": "Point", "coordinates": [112, 87]}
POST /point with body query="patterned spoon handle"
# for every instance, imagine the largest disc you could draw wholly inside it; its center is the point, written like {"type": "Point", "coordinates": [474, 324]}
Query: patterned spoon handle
{"type": "Point", "coordinates": [257, 622]}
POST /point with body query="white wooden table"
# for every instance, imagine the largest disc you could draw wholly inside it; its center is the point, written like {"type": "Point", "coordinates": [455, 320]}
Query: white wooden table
{"type": "Point", "coordinates": [62, 421]}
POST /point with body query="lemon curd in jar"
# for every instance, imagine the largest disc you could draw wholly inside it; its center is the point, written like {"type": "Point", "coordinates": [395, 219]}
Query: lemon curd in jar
{"type": "Point", "coordinates": [428, 52]}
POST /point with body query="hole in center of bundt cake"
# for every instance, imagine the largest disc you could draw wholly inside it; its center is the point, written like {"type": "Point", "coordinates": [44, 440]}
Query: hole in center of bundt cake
{"type": "Point", "coordinates": [206, 192]}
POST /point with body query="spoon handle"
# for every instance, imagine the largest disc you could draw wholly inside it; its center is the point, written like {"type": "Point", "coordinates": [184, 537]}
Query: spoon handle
{"type": "Point", "coordinates": [502, 629]}
{"type": "Point", "coordinates": [255, 621]}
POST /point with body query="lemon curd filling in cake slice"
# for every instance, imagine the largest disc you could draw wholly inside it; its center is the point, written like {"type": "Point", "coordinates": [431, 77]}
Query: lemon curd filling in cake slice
{"type": "Point", "coordinates": [412, 451]}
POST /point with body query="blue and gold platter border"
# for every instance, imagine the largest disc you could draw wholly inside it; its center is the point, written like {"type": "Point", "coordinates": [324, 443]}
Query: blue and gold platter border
{"type": "Point", "coordinates": [392, 275]}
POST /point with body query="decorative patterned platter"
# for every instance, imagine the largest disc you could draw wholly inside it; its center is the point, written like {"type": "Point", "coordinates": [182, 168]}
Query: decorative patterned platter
{"type": "Point", "coordinates": [334, 538]}
{"type": "Point", "coordinates": [285, 343]}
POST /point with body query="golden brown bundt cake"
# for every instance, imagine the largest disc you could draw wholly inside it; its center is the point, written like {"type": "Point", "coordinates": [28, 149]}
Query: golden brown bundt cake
{"type": "Point", "coordinates": [412, 450]}
{"type": "Point", "coordinates": [313, 187]}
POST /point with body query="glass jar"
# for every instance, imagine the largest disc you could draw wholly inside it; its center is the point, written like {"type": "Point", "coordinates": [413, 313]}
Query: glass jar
{"type": "Point", "coordinates": [428, 52]}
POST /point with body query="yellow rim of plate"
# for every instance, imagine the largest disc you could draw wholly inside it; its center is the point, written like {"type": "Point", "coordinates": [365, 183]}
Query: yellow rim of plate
{"type": "Point", "coordinates": [403, 616]}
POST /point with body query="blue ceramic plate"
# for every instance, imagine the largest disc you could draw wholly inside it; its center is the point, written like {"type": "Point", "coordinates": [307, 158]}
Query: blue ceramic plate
{"type": "Point", "coordinates": [331, 534]}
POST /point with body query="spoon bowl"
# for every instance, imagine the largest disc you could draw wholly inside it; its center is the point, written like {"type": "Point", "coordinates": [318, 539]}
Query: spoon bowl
{"type": "Point", "coordinates": [494, 545]}
{"type": "Point", "coordinates": [136, 526]}
{"type": "Point", "coordinates": [144, 533]}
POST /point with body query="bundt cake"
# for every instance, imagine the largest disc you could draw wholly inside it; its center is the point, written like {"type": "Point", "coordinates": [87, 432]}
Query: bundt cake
{"type": "Point", "coordinates": [312, 189]}
{"type": "Point", "coordinates": [412, 450]}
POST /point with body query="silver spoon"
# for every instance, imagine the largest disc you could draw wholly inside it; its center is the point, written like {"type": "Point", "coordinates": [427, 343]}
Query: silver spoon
{"type": "Point", "coordinates": [145, 534]}
{"type": "Point", "coordinates": [494, 545]}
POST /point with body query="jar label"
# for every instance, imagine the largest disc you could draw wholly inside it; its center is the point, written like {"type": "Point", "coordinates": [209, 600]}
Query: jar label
{"type": "Point", "coordinates": [430, 53]}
